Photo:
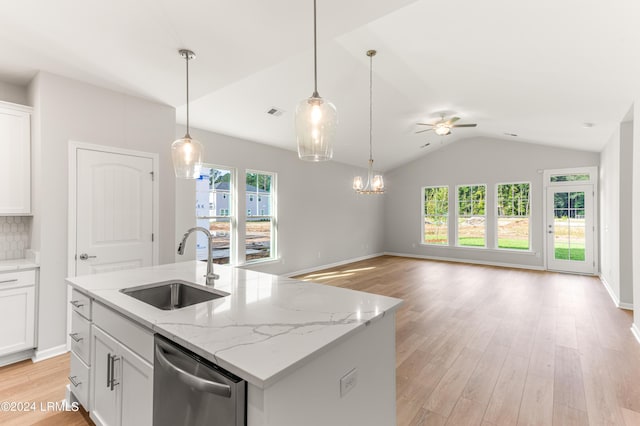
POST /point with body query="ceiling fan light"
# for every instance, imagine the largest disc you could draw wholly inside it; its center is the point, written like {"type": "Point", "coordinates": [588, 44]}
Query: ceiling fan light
{"type": "Point", "coordinates": [442, 129]}
{"type": "Point", "coordinates": [316, 123]}
{"type": "Point", "coordinates": [186, 154]}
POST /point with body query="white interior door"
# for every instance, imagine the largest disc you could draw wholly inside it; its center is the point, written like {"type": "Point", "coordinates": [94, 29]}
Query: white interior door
{"type": "Point", "coordinates": [570, 228]}
{"type": "Point", "coordinates": [114, 211]}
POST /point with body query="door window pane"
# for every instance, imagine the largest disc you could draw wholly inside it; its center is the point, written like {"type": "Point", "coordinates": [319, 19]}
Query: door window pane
{"type": "Point", "coordinates": [569, 226]}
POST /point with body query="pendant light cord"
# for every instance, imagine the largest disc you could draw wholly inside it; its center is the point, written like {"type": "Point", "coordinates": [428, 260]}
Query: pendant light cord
{"type": "Point", "coordinates": [371, 107]}
{"type": "Point", "coordinates": [315, 54]}
{"type": "Point", "coordinates": [187, 55]}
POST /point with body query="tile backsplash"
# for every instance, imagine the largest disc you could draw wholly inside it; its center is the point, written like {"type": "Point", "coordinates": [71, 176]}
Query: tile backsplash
{"type": "Point", "coordinates": [15, 234]}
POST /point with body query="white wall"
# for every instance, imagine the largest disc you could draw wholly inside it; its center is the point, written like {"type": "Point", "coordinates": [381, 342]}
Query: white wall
{"type": "Point", "coordinates": [635, 227]}
{"type": "Point", "coordinates": [479, 160]}
{"type": "Point", "coordinates": [70, 110]}
{"type": "Point", "coordinates": [626, 213]}
{"type": "Point", "coordinates": [320, 219]}
{"type": "Point", "coordinates": [609, 188]}
{"type": "Point", "coordinates": [14, 93]}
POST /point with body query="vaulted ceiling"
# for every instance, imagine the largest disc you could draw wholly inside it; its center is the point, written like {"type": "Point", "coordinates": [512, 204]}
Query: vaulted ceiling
{"type": "Point", "coordinates": [538, 69]}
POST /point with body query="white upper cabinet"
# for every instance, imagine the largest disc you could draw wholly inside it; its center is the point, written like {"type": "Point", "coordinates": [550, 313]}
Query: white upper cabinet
{"type": "Point", "coordinates": [15, 159]}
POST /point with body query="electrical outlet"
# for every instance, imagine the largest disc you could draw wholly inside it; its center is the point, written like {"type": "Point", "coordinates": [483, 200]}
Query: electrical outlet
{"type": "Point", "coordinates": [348, 382]}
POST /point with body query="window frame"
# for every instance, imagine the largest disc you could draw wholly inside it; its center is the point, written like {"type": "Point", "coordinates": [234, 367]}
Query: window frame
{"type": "Point", "coordinates": [497, 217]}
{"type": "Point", "coordinates": [457, 217]}
{"type": "Point", "coordinates": [231, 216]}
{"type": "Point", "coordinates": [423, 215]}
{"type": "Point", "coordinates": [273, 218]}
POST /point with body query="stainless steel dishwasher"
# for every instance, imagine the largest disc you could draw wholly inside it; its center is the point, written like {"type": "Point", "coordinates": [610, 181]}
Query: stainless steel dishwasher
{"type": "Point", "coordinates": [189, 390]}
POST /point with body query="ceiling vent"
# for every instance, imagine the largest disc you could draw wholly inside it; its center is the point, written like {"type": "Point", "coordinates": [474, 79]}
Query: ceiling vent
{"type": "Point", "coordinates": [276, 112]}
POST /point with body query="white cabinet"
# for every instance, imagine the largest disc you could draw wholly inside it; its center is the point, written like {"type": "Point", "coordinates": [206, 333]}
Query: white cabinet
{"type": "Point", "coordinates": [121, 380]}
{"type": "Point", "coordinates": [80, 338]}
{"type": "Point", "coordinates": [17, 311]}
{"type": "Point", "coordinates": [15, 159]}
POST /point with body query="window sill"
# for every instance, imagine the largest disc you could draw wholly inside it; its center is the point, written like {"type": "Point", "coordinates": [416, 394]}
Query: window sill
{"type": "Point", "coordinates": [482, 249]}
{"type": "Point", "coordinates": [259, 262]}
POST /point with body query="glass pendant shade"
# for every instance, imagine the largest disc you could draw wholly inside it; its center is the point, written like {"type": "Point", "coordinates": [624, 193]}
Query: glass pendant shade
{"type": "Point", "coordinates": [357, 183]}
{"type": "Point", "coordinates": [316, 123]}
{"type": "Point", "coordinates": [378, 183]}
{"type": "Point", "coordinates": [187, 157]}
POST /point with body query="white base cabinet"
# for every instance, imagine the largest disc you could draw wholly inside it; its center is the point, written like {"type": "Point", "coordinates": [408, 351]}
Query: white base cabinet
{"type": "Point", "coordinates": [17, 311]}
{"type": "Point", "coordinates": [121, 383]}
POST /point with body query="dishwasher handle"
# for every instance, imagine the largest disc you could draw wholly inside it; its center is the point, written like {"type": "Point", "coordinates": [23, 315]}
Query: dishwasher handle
{"type": "Point", "coordinates": [195, 382]}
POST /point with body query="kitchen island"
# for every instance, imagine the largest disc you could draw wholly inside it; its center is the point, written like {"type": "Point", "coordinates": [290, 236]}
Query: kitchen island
{"type": "Point", "coordinates": [311, 354]}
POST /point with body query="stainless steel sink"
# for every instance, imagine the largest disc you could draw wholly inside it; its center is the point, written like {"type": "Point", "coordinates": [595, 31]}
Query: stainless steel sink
{"type": "Point", "coordinates": [174, 294]}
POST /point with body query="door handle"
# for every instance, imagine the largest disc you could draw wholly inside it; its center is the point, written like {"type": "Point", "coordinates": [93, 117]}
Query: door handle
{"type": "Point", "coordinates": [76, 303]}
{"type": "Point", "coordinates": [108, 370]}
{"type": "Point", "coordinates": [195, 382]}
{"type": "Point", "coordinates": [85, 256]}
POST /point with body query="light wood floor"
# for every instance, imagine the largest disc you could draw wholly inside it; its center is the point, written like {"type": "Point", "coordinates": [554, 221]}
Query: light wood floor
{"type": "Point", "coordinates": [475, 345]}
{"type": "Point", "coordinates": [40, 383]}
{"type": "Point", "coordinates": [479, 345]}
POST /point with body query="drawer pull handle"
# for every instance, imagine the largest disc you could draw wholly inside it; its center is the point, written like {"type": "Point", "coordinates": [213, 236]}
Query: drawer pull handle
{"type": "Point", "coordinates": [75, 384]}
{"type": "Point", "coordinates": [76, 303]}
{"type": "Point", "coordinates": [113, 383]}
{"type": "Point", "coordinates": [9, 281]}
{"type": "Point", "coordinates": [75, 337]}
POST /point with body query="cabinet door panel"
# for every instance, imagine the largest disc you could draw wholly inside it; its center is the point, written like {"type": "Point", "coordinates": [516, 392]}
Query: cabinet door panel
{"type": "Point", "coordinates": [137, 390]}
{"type": "Point", "coordinates": [15, 161]}
{"type": "Point", "coordinates": [104, 401]}
{"type": "Point", "coordinates": [17, 313]}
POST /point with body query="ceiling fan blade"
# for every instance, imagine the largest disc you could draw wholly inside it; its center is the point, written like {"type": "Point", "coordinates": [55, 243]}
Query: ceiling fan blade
{"type": "Point", "coordinates": [425, 130]}
{"type": "Point", "coordinates": [452, 120]}
{"type": "Point", "coordinates": [425, 124]}
{"type": "Point", "coordinates": [464, 125]}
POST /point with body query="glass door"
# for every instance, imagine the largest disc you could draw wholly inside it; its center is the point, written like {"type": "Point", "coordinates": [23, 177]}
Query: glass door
{"type": "Point", "coordinates": [570, 228]}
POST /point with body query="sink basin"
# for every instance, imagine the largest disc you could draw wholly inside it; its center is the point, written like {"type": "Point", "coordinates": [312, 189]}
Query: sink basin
{"type": "Point", "coordinates": [173, 294]}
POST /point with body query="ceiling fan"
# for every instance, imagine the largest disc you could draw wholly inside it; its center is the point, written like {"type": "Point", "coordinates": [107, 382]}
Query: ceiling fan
{"type": "Point", "coordinates": [443, 127]}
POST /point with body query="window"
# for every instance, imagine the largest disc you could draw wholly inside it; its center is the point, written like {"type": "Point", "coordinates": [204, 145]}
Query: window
{"type": "Point", "coordinates": [570, 177]}
{"type": "Point", "coordinates": [436, 215]}
{"type": "Point", "coordinates": [260, 229]}
{"type": "Point", "coordinates": [513, 216]}
{"type": "Point", "coordinates": [214, 189]}
{"type": "Point", "coordinates": [472, 216]}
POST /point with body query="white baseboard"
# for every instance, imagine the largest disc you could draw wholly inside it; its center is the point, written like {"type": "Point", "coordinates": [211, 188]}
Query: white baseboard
{"type": "Point", "coordinates": [332, 265]}
{"type": "Point", "coordinates": [636, 331]}
{"type": "Point", "coordinates": [458, 260]}
{"type": "Point", "coordinates": [614, 296]}
{"type": "Point", "coordinates": [49, 353]}
{"type": "Point", "coordinates": [16, 357]}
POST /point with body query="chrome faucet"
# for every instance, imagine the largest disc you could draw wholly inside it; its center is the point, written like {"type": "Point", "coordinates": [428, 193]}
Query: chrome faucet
{"type": "Point", "coordinates": [210, 277]}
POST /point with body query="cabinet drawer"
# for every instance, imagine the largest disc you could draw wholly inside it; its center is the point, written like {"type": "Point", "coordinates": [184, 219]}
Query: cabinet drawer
{"type": "Point", "coordinates": [81, 303]}
{"type": "Point", "coordinates": [137, 338]}
{"type": "Point", "coordinates": [17, 279]}
{"type": "Point", "coordinates": [79, 379]}
{"type": "Point", "coordinates": [80, 336]}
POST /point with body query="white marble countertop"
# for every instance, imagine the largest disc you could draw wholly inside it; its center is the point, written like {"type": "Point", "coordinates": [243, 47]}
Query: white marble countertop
{"type": "Point", "coordinates": [268, 326]}
{"type": "Point", "coordinates": [17, 264]}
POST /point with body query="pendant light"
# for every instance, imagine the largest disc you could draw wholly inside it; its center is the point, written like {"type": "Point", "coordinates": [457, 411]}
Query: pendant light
{"type": "Point", "coordinates": [316, 118]}
{"type": "Point", "coordinates": [375, 183]}
{"type": "Point", "coordinates": [186, 152]}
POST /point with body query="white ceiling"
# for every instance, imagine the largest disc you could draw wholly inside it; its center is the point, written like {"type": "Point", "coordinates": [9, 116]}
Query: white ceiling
{"type": "Point", "coordinates": [539, 69]}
